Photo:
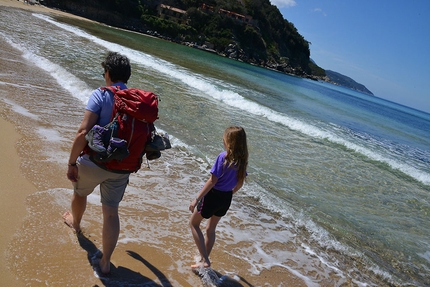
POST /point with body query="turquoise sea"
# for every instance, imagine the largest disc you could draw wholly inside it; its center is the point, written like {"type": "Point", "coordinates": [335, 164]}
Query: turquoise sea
{"type": "Point", "coordinates": [338, 191]}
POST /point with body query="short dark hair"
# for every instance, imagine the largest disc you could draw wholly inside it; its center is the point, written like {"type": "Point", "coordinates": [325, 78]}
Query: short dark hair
{"type": "Point", "coordinates": [118, 66]}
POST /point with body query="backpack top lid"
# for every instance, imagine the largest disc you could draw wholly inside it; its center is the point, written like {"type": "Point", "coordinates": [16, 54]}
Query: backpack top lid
{"type": "Point", "coordinates": [140, 104]}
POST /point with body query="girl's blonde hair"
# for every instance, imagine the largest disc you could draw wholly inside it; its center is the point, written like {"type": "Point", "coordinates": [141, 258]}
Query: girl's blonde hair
{"type": "Point", "coordinates": [237, 150]}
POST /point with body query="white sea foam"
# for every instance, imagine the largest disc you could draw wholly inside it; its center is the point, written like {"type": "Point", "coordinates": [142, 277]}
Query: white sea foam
{"type": "Point", "coordinates": [233, 99]}
{"type": "Point", "coordinates": [74, 85]}
{"type": "Point", "coordinates": [49, 134]}
{"type": "Point", "coordinates": [20, 110]}
{"type": "Point", "coordinates": [52, 138]}
{"type": "Point", "coordinates": [425, 255]}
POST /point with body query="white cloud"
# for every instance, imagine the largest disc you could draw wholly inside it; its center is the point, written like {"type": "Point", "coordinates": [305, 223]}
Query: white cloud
{"type": "Point", "coordinates": [319, 10]}
{"type": "Point", "coordinates": [283, 3]}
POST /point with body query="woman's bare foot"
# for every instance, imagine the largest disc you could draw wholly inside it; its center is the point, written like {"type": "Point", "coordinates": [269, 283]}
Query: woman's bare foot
{"type": "Point", "coordinates": [98, 266]}
{"type": "Point", "coordinates": [104, 266]}
{"type": "Point", "coordinates": [68, 220]}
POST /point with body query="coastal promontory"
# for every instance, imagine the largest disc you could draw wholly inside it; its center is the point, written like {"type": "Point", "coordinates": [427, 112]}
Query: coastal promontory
{"type": "Point", "coordinates": [251, 31]}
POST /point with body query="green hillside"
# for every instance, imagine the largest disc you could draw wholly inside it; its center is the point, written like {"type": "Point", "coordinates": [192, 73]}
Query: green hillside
{"type": "Point", "coordinates": [267, 39]}
{"type": "Point", "coordinates": [251, 31]}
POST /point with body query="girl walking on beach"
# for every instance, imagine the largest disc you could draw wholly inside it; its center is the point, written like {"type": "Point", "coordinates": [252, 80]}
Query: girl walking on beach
{"type": "Point", "coordinates": [214, 199]}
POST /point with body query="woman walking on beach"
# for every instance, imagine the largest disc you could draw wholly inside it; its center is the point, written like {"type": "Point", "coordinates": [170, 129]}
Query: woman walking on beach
{"type": "Point", "coordinates": [214, 199]}
{"type": "Point", "coordinates": [85, 175]}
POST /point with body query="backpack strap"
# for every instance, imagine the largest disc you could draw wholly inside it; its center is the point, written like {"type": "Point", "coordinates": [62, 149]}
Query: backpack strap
{"type": "Point", "coordinates": [113, 89]}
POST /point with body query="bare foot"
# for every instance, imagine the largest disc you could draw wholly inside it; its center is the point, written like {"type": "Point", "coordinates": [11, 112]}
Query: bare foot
{"type": "Point", "coordinates": [104, 266]}
{"type": "Point", "coordinates": [68, 220]}
{"type": "Point", "coordinates": [201, 264]}
{"type": "Point", "coordinates": [99, 267]}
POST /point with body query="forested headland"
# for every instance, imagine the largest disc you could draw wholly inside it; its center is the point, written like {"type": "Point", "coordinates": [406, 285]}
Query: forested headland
{"type": "Point", "coordinates": [251, 31]}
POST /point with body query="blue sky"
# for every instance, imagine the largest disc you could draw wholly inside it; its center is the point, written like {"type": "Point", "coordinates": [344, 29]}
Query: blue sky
{"type": "Point", "coordinates": [382, 44]}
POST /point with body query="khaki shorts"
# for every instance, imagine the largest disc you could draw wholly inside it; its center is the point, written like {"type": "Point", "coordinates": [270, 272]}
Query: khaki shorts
{"type": "Point", "coordinates": [112, 185]}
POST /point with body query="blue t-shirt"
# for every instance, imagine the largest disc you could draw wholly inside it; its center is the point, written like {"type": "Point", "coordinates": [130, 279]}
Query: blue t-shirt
{"type": "Point", "coordinates": [227, 177]}
{"type": "Point", "coordinates": [101, 102]}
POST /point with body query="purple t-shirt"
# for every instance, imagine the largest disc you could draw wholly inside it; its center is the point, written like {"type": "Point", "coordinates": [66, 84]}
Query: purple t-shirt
{"type": "Point", "coordinates": [227, 177]}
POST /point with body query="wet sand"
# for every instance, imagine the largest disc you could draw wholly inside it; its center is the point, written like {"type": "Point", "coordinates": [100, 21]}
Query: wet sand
{"type": "Point", "coordinates": [24, 226]}
{"type": "Point", "coordinates": [14, 188]}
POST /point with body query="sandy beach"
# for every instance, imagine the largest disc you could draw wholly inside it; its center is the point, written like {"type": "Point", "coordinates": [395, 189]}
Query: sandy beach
{"type": "Point", "coordinates": [37, 8]}
{"type": "Point", "coordinates": [13, 190]}
{"type": "Point", "coordinates": [20, 194]}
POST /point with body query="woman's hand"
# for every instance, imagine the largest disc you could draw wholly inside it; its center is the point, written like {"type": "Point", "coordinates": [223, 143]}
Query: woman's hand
{"type": "Point", "coordinates": [72, 173]}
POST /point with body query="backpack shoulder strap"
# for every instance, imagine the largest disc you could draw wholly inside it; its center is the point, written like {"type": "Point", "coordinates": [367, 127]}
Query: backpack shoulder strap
{"type": "Point", "coordinates": [113, 89]}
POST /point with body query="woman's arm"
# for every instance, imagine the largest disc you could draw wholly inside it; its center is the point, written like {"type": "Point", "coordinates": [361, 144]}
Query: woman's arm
{"type": "Point", "coordinates": [90, 119]}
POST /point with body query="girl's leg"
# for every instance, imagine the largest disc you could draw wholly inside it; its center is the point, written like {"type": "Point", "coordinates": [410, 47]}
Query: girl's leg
{"type": "Point", "coordinates": [199, 239]}
{"type": "Point", "coordinates": [210, 233]}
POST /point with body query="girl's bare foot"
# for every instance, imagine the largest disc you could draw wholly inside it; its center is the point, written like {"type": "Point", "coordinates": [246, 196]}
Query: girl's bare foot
{"type": "Point", "coordinates": [68, 220]}
{"type": "Point", "coordinates": [202, 263]}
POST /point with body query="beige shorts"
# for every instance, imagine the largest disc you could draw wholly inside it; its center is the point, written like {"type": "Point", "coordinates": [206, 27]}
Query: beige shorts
{"type": "Point", "coordinates": [112, 185]}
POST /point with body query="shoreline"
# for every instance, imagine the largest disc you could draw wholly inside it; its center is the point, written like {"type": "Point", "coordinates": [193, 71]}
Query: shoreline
{"type": "Point", "coordinates": [27, 212]}
{"type": "Point", "coordinates": [38, 8]}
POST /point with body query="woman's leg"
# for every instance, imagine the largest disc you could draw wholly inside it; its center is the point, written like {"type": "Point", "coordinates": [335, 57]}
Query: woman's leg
{"type": "Point", "coordinates": [110, 235]}
{"type": "Point", "coordinates": [73, 218]}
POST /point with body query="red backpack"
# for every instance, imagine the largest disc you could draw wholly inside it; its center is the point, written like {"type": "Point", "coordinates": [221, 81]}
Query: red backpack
{"type": "Point", "coordinates": [130, 130]}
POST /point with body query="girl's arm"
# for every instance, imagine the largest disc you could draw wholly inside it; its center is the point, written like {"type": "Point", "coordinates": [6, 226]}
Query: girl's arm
{"type": "Point", "coordinates": [238, 186]}
{"type": "Point", "coordinates": [206, 188]}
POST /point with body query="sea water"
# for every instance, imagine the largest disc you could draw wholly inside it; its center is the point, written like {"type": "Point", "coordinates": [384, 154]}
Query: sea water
{"type": "Point", "coordinates": [338, 181]}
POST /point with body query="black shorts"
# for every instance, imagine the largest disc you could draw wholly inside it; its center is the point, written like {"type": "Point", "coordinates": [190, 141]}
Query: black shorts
{"type": "Point", "coordinates": [215, 202]}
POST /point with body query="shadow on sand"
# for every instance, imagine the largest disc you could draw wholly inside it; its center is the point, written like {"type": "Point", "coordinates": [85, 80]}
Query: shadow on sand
{"type": "Point", "coordinates": [211, 278]}
{"type": "Point", "coordinates": [121, 276]}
